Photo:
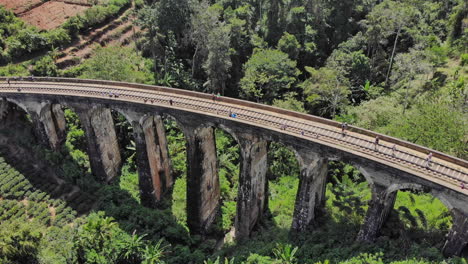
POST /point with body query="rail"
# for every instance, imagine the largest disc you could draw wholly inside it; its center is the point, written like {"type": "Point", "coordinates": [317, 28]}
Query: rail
{"type": "Point", "coordinates": [314, 128]}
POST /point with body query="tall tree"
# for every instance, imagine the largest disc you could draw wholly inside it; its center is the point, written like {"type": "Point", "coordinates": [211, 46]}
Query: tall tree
{"type": "Point", "coordinates": [218, 63]}
{"type": "Point", "coordinates": [267, 75]}
{"type": "Point", "coordinates": [173, 16]}
{"type": "Point", "coordinates": [147, 19]}
{"type": "Point", "coordinates": [389, 19]}
{"type": "Point", "coordinates": [273, 28]}
{"type": "Point", "coordinates": [326, 89]}
{"type": "Point", "coordinates": [204, 19]}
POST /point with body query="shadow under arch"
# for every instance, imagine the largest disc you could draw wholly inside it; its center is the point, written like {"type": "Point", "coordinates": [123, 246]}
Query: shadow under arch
{"type": "Point", "coordinates": [464, 252]}
{"type": "Point", "coordinates": [418, 213]}
{"type": "Point", "coordinates": [283, 176]}
{"type": "Point", "coordinates": [349, 190]}
{"type": "Point", "coordinates": [17, 103]}
{"type": "Point", "coordinates": [176, 197]}
{"type": "Point", "coordinates": [228, 155]}
{"type": "Point", "coordinates": [128, 179]}
{"type": "Point", "coordinates": [364, 172]}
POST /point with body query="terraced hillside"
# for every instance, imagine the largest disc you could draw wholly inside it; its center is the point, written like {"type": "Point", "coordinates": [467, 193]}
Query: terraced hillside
{"type": "Point", "coordinates": [120, 32]}
{"type": "Point", "coordinates": [38, 198]}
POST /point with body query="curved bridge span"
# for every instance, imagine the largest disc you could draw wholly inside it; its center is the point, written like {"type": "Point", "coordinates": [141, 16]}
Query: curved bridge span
{"type": "Point", "coordinates": [389, 166]}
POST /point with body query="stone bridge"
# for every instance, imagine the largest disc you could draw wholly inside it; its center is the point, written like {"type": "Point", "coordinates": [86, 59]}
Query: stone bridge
{"type": "Point", "coordinates": [388, 166]}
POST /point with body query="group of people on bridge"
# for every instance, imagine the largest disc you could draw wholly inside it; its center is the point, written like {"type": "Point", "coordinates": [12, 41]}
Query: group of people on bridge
{"type": "Point", "coordinates": [344, 125]}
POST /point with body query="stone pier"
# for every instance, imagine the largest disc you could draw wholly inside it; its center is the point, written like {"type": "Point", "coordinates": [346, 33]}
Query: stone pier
{"type": "Point", "coordinates": [53, 121]}
{"type": "Point", "coordinates": [311, 191]}
{"type": "Point", "coordinates": [103, 146]}
{"type": "Point", "coordinates": [457, 238]}
{"type": "Point", "coordinates": [152, 154]}
{"type": "Point", "coordinates": [203, 190]}
{"type": "Point", "coordinates": [251, 198]}
{"type": "Point", "coordinates": [49, 123]}
{"type": "Point", "coordinates": [380, 206]}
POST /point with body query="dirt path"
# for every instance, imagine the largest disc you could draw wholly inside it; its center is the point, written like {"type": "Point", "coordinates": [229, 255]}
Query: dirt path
{"type": "Point", "coordinates": [118, 32]}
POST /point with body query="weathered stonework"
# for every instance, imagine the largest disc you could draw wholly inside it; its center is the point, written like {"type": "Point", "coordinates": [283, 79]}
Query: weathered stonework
{"type": "Point", "coordinates": [203, 190]}
{"type": "Point", "coordinates": [52, 121]}
{"type": "Point", "coordinates": [9, 112]}
{"type": "Point", "coordinates": [103, 147]}
{"type": "Point", "coordinates": [311, 191]}
{"type": "Point", "coordinates": [152, 159]}
{"type": "Point", "coordinates": [457, 238]}
{"type": "Point", "coordinates": [48, 121]}
{"type": "Point", "coordinates": [380, 207]}
{"type": "Point", "coordinates": [203, 185]}
{"type": "Point", "coordinates": [166, 164]}
{"type": "Point", "coordinates": [251, 198]}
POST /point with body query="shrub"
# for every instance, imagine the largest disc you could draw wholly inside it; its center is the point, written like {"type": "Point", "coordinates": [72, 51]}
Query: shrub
{"type": "Point", "coordinates": [45, 67]}
{"type": "Point", "coordinates": [58, 37]}
{"type": "Point", "coordinates": [25, 41]}
{"type": "Point", "coordinates": [464, 59]}
{"type": "Point", "coordinates": [73, 26]}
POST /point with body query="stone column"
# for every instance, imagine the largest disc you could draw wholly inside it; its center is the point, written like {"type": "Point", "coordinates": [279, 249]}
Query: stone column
{"type": "Point", "coordinates": [457, 238]}
{"type": "Point", "coordinates": [11, 112]}
{"type": "Point", "coordinates": [251, 198]}
{"type": "Point", "coordinates": [164, 150]}
{"type": "Point", "coordinates": [54, 124]}
{"type": "Point", "coordinates": [49, 123]}
{"type": "Point", "coordinates": [380, 206]}
{"type": "Point", "coordinates": [154, 168]}
{"type": "Point", "coordinates": [60, 122]}
{"type": "Point", "coordinates": [5, 110]}
{"type": "Point", "coordinates": [311, 192]}
{"type": "Point", "coordinates": [203, 190]}
{"type": "Point", "coordinates": [103, 146]}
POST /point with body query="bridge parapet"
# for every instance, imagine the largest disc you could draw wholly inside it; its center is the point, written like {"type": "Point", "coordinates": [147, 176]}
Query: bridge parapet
{"type": "Point", "coordinates": [315, 140]}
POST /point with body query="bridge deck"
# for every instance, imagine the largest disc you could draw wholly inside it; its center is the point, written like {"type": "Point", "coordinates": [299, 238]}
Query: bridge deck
{"type": "Point", "coordinates": [443, 169]}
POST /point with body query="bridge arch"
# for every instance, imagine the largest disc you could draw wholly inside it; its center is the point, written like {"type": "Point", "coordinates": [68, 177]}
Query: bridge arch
{"type": "Point", "coordinates": [407, 162]}
{"type": "Point", "coordinates": [284, 175]}
{"type": "Point", "coordinates": [395, 187]}
{"type": "Point", "coordinates": [18, 103]}
{"type": "Point", "coordinates": [368, 174]}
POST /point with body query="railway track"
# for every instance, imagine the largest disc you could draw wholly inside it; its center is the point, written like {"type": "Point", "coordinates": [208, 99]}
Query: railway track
{"type": "Point", "coordinates": [393, 153]}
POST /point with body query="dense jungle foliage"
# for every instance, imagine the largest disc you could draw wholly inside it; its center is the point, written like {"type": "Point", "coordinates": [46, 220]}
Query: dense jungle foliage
{"type": "Point", "coordinates": [399, 67]}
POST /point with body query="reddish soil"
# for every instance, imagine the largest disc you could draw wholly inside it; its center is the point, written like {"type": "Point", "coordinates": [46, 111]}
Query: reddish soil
{"type": "Point", "coordinates": [52, 14]}
{"type": "Point", "coordinates": [119, 33]}
{"type": "Point", "coordinates": [20, 6]}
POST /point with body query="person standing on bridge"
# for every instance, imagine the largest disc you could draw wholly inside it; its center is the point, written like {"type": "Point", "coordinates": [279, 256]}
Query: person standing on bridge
{"type": "Point", "coordinates": [213, 97]}
{"type": "Point", "coordinates": [170, 102]}
{"type": "Point", "coordinates": [393, 150]}
{"type": "Point", "coordinates": [8, 81]}
{"type": "Point", "coordinates": [376, 142]}
{"type": "Point", "coordinates": [344, 126]}
{"type": "Point", "coordinates": [429, 159]}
